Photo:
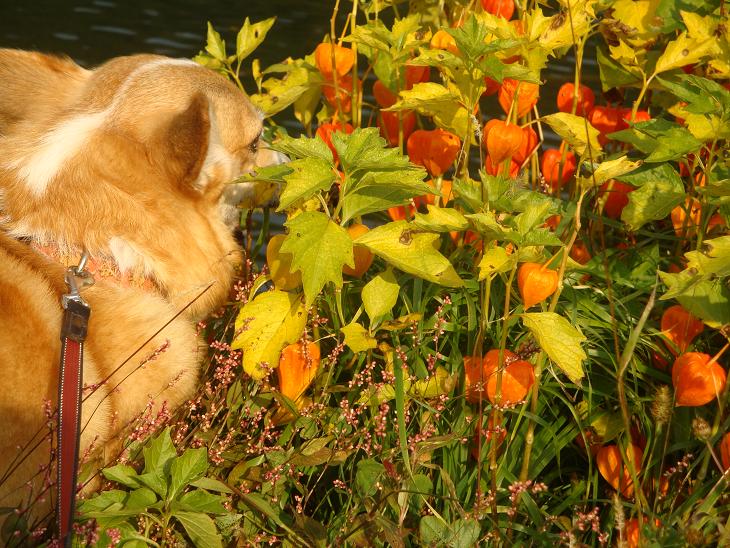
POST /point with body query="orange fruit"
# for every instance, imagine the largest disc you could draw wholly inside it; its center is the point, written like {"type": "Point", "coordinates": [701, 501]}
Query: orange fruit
{"type": "Point", "coordinates": [280, 265]}
{"type": "Point", "coordinates": [344, 60]}
{"type": "Point", "coordinates": [557, 173]}
{"type": "Point", "coordinates": [725, 451]}
{"type": "Point", "coordinates": [586, 99]}
{"type": "Point", "coordinates": [388, 124]}
{"type": "Point", "coordinates": [477, 371]}
{"type": "Point", "coordinates": [613, 469]}
{"type": "Point", "coordinates": [363, 256]}
{"type": "Point", "coordinates": [680, 327]}
{"type": "Point", "coordinates": [697, 378]}
{"type": "Point", "coordinates": [383, 96]}
{"type": "Point", "coordinates": [685, 226]}
{"type": "Point", "coordinates": [298, 365]}
{"type": "Point", "coordinates": [434, 149]}
{"type": "Point", "coordinates": [503, 140]}
{"type": "Point", "coordinates": [525, 93]}
{"type": "Point", "coordinates": [527, 145]}
{"type": "Point", "coordinates": [501, 8]}
{"type": "Point", "coordinates": [443, 40]}
{"type": "Point", "coordinates": [618, 197]}
{"type": "Point", "coordinates": [536, 283]}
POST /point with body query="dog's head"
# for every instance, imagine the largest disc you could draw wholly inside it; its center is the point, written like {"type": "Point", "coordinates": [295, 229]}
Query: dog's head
{"type": "Point", "coordinates": [134, 163]}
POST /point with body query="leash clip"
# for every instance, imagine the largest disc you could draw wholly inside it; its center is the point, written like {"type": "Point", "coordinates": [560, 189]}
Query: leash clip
{"type": "Point", "coordinates": [77, 278]}
{"type": "Point", "coordinates": [77, 310]}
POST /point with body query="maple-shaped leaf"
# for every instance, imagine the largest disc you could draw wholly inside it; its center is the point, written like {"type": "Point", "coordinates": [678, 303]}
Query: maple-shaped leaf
{"type": "Point", "coordinates": [307, 176]}
{"type": "Point", "coordinates": [264, 326]}
{"type": "Point", "coordinates": [410, 249]}
{"type": "Point", "coordinates": [319, 248]}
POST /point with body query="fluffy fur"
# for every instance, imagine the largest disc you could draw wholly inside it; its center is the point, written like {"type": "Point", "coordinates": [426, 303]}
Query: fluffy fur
{"type": "Point", "coordinates": [130, 162]}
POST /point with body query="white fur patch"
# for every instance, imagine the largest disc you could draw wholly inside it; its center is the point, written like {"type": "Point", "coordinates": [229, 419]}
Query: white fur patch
{"type": "Point", "coordinates": [56, 148]}
{"type": "Point", "coordinates": [216, 158]}
{"type": "Point", "coordinates": [127, 258]}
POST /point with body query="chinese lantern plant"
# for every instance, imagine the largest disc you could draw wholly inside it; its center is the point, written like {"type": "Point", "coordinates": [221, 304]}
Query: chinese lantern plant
{"type": "Point", "coordinates": [698, 378]}
{"type": "Point", "coordinates": [612, 466]}
{"type": "Point", "coordinates": [536, 282]}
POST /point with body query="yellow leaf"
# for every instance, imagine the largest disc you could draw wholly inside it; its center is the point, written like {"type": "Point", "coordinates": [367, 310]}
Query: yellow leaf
{"type": "Point", "coordinates": [432, 99]}
{"type": "Point", "coordinates": [358, 338]}
{"type": "Point", "coordinates": [611, 169]}
{"type": "Point", "coordinates": [407, 248]}
{"type": "Point", "coordinates": [576, 131]}
{"type": "Point", "coordinates": [264, 326]}
{"type": "Point", "coordinates": [560, 341]}
{"type": "Point", "coordinates": [685, 51]}
{"type": "Point", "coordinates": [494, 260]}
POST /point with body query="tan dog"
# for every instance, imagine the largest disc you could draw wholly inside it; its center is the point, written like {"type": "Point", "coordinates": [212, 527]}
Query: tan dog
{"type": "Point", "coordinates": [129, 162]}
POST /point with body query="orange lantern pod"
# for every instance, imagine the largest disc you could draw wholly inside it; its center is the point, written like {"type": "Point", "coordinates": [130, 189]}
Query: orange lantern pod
{"type": "Point", "coordinates": [614, 471]}
{"type": "Point", "coordinates": [579, 253]}
{"type": "Point", "coordinates": [503, 140]}
{"type": "Point", "coordinates": [400, 213]}
{"type": "Point", "coordinates": [434, 149]}
{"type": "Point", "coordinates": [618, 197]}
{"type": "Point", "coordinates": [725, 451]}
{"type": "Point", "coordinates": [526, 94]}
{"type": "Point", "coordinates": [388, 125]}
{"type": "Point", "coordinates": [341, 95]}
{"type": "Point", "coordinates": [383, 96]}
{"type": "Point", "coordinates": [685, 226]}
{"type": "Point", "coordinates": [527, 145]}
{"type": "Point", "coordinates": [324, 132]}
{"type": "Point", "coordinates": [297, 367]}
{"type": "Point", "coordinates": [517, 379]}
{"type": "Point", "coordinates": [344, 60]}
{"type": "Point", "coordinates": [680, 327]}
{"type": "Point", "coordinates": [536, 283]}
{"type": "Point", "coordinates": [555, 172]}
{"type": "Point", "coordinates": [446, 193]}
{"type": "Point", "coordinates": [502, 169]}
{"type": "Point", "coordinates": [501, 8]}
{"type": "Point", "coordinates": [697, 378]}
{"type": "Point", "coordinates": [552, 222]}
{"type": "Point", "coordinates": [417, 74]}
{"type": "Point", "coordinates": [492, 86]}
{"type": "Point", "coordinates": [363, 256]}
{"type": "Point", "coordinates": [586, 99]}
{"type": "Point", "coordinates": [477, 371]}
{"type": "Point", "coordinates": [443, 40]}
{"type": "Point", "coordinates": [640, 116]}
{"type": "Point", "coordinates": [606, 120]}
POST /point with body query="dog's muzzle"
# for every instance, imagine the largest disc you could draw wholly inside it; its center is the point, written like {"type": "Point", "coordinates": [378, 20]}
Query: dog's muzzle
{"type": "Point", "coordinates": [254, 194]}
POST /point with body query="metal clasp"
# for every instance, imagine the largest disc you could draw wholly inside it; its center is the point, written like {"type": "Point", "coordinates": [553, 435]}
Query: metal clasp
{"type": "Point", "coordinates": [77, 278]}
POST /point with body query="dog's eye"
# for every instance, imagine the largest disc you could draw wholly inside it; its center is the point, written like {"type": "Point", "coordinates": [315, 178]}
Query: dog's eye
{"type": "Point", "coordinates": [253, 147]}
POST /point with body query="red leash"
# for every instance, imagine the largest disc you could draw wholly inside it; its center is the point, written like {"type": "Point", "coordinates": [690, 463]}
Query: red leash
{"type": "Point", "coordinates": [73, 332]}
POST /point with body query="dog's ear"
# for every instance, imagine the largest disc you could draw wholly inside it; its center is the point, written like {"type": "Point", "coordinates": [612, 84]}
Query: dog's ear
{"type": "Point", "coordinates": [187, 140]}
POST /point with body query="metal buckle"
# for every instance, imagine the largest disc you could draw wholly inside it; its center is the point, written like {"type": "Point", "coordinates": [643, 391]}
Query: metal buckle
{"type": "Point", "coordinates": [77, 278]}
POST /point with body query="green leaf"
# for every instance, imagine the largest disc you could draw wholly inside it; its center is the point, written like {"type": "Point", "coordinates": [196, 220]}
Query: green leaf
{"type": "Point", "coordinates": [188, 467]}
{"type": "Point", "coordinates": [158, 453]}
{"type": "Point", "coordinates": [652, 201]}
{"type": "Point", "coordinates": [308, 176]}
{"type": "Point", "coordinates": [319, 247]}
{"type": "Point", "coordinates": [155, 480]}
{"type": "Point", "coordinates": [368, 473]}
{"type": "Point", "coordinates": [200, 528]}
{"type": "Point", "coordinates": [441, 219]}
{"type": "Point", "coordinates": [576, 131]}
{"type": "Point", "coordinates": [103, 501]}
{"type": "Point", "coordinates": [613, 75]}
{"type": "Point", "coordinates": [465, 533]}
{"type": "Point", "coordinates": [215, 46]}
{"type": "Point", "coordinates": [560, 341]}
{"type": "Point", "coordinates": [304, 147]}
{"type": "Point", "coordinates": [412, 251]}
{"type": "Point", "coordinates": [250, 36]}
{"type": "Point", "coordinates": [200, 501]}
{"type": "Point", "coordinates": [433, 531]}
{"type": "Point", "coordinates": [487, 225]}
{"type": "Point", "coordinates": [264, 326]}
{"type": "Point", "coordinates": [713, 259]}
{"type": "Point", "coordinates": [282, 92]}
{"type": "Point", "coordinates": [494, 260]}
{"type": "Point", "coordinates": [661, 139]}
{"type": "Point", "coordinates": [140, 500]}
{"type": "Point", "coordinates": [122, 474]}
{"type": "Point", "coordinates": [431, 99]}
{"type": "Point", "coordinates": [380, 294]}
{"type": "Point", "coordinates": [358, 338]}
{"type": "Point", "coordinates": [364, 150]}
{"type": "Point", "coordinates": [211, 484]}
